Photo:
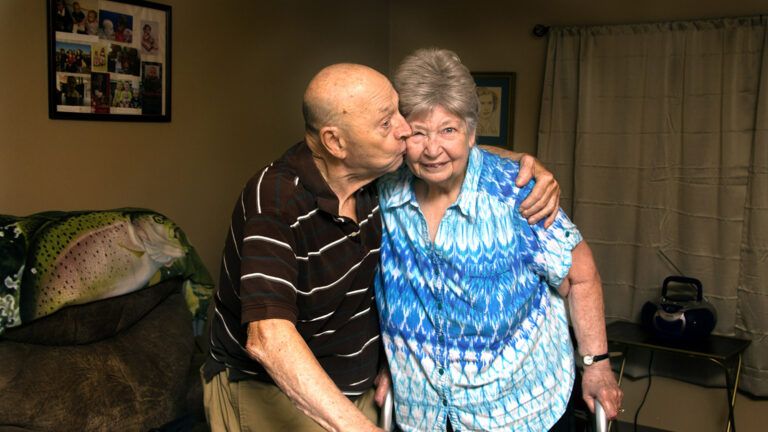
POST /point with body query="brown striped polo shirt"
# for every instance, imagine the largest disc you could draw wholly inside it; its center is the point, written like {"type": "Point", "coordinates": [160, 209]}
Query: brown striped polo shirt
{"type": "Point", "coordinates": [288, 254]}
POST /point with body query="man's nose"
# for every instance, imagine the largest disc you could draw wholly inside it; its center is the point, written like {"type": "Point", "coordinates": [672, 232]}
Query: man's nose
{"type": "Point", "coordinates": [402, 128]}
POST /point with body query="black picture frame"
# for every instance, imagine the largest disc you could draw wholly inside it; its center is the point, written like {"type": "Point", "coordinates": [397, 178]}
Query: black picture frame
{"type": "Point", "coordinates": [496, 92]}
{"type": "Point", "coordinates": [109, 60]}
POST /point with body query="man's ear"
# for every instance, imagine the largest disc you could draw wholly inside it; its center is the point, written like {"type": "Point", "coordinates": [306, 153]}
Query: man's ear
{"type": "Point", "coordinates": [332, 141]}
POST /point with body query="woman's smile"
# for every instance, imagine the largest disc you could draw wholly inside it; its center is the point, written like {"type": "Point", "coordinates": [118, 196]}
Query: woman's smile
{"type": "Point", "coordinates": [433, 166]}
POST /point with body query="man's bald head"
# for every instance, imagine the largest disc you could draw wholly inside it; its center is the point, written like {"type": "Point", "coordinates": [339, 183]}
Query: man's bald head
{"type": "Point", "coordinates": [333, 91]}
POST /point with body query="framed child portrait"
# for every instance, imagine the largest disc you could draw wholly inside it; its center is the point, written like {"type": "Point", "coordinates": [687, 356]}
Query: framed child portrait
{"type": "Point", "coordinates": [496, 94]}
{"type": "Point", "coordinates": [109, 60]}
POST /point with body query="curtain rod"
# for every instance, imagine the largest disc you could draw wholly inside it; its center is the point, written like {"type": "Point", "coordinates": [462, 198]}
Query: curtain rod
{"type": "Point", "coordinates": [541, 30]}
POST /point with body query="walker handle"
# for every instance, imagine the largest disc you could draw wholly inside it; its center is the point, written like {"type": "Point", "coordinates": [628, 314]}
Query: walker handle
{"type": "Point", "coordinates": [601, 421]}
{"type": "Point", "coordinates": [386, 422]}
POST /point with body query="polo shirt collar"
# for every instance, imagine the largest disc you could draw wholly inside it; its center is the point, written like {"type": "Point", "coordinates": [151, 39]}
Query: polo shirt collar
{"type": "Point", "coordinates": [304, 165]}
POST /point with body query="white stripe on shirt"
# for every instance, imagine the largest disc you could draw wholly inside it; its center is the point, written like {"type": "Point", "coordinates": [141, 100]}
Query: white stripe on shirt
{"type": "Point", "coordinates": [318, 318]}
{"type": "Point", "coordinates": [321, 288]}
{"type": "Point", "coordinates": [229, 277]}
{"type": "Point", "coordinates": [303, 217]}
{"type": "Point", "coordinates": [231, 336]}
{"type": "Point", "coordinates": [258, 189]}
{"type": "Point", "coordinates": [234, 241]}
{"type": "Point", "coordinates": [242, 204]}
{"type": "Point", "coordinates": [269, 240]}
{"type": "Point", "coordinates": [357, 291]}
{"type": "Point", "coordinates": [269, 278]}
{"type": "Point", "coordinates": [373, 339]}
{"type": "Point", "coordinates": [360, 382]}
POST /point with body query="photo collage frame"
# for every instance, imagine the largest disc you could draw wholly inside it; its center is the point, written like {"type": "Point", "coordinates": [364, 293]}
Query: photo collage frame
{"type": "Point", "coordinates": [109, 60]}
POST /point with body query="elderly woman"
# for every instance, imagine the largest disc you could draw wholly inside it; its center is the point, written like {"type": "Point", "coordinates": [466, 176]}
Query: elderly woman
{"type": "Point", "coordinates": [474, 328]}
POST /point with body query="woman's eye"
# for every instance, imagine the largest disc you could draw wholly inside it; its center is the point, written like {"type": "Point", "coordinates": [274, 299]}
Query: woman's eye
{"type": "Point", "coordinates": [416, 137]}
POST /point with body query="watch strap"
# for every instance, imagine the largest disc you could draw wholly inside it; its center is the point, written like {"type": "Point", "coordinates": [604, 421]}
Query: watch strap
{"type": "Point", "coordinates": [592, 359]}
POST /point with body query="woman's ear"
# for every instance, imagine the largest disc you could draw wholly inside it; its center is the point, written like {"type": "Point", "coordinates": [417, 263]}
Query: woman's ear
{"type": "Point", "coordinates": [472, 138]}
{"type": "Point", "coordinates": [332, 141]}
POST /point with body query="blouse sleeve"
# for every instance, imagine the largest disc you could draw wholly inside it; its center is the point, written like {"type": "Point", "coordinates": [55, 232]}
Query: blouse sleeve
{"type": "Point", "coordinates": [552, 259]}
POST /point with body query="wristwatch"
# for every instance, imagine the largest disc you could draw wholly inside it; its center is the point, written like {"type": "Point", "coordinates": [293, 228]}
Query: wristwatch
{"type": "Point", "coordinates": [590, 359]}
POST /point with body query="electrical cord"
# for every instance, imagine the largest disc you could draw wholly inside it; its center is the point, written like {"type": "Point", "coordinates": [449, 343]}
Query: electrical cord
{"type": "Point", "coordinates": [647, 388]}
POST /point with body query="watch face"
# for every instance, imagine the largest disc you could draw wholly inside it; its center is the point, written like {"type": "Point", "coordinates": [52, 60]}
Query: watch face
{"type": "Point", "coordinates": [587, 360]}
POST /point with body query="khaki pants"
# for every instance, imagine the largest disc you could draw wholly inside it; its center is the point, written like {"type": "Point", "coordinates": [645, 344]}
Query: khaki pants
{"type": "Point", "coordinates": [254, 406]}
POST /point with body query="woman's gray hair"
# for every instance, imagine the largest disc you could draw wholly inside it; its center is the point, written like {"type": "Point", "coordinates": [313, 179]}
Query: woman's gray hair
{"type": "Point", "coordinates": [433, 77]}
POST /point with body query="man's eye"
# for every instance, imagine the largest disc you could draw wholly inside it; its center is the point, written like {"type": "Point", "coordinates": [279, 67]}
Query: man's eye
{"type": "Point", "coordinates": [386, 124]}
{"type": "Point", "coordinates": [449, 130]}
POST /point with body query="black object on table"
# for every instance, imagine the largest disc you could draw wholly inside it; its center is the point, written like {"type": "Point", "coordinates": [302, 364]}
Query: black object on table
{"type": "Point", "coordinates": [721, 350]}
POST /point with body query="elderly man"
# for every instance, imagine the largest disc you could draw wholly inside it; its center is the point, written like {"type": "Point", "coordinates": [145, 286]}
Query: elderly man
{"type": "Point", "coordinates": [294, 330]}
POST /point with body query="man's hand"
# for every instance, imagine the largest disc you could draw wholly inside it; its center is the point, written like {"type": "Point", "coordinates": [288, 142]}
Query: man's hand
{"type": "Point", "coordinates": [277, 345]}
{"type": "Point", "coordinates": [544, 199]}
{"type": "Point", "coordinates": [598, 382]}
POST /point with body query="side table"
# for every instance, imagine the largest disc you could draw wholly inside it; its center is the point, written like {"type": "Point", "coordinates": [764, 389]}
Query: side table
{"type": "Point", "coordinates": [722, 350]}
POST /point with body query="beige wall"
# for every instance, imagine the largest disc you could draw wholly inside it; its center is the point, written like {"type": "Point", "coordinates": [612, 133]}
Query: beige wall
{"type": "Point", "coordinates": [496, 36]}
{"type": "Point", "coordinates": [239, 70]}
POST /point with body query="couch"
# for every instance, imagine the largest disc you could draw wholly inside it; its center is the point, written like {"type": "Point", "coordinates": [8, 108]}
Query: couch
{"type": "Point", "coordinates": [125, 360]}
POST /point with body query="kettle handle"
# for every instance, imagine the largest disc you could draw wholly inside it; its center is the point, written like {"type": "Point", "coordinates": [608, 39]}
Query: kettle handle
{"type": "Point", "coordinates": [686, 280]}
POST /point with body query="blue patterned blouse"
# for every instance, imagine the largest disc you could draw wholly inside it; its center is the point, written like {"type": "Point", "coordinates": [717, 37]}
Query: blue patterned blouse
{"type": "Point", "coordinates": [472, 324]}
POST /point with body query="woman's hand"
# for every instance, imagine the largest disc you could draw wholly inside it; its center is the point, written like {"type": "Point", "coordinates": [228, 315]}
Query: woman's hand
{"type": "Point", "coordinates": [598, 382]}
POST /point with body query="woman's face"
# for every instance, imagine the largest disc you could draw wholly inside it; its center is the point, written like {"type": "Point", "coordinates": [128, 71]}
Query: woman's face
{"type": "Point", "coordinates": [438, 150]}
{"type": "Point", "coordinates": [486, 105]}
